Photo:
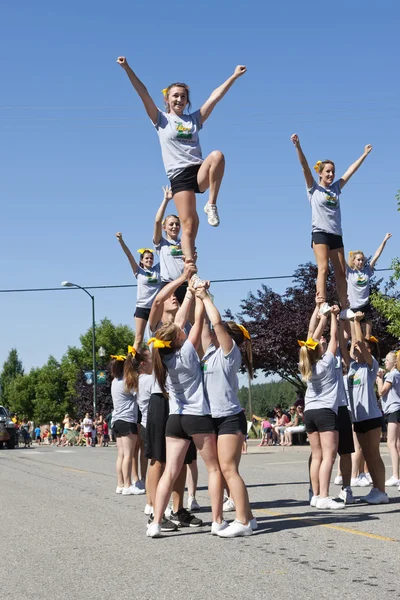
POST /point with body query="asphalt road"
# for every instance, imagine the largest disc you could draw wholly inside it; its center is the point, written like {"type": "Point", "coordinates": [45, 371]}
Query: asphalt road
{"type": "Point", "coordinates": [66, 534]}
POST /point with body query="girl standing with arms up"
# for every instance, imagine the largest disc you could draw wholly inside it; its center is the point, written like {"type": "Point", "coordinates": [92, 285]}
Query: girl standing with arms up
{"type": "Point", "coordinates": [358, 274]}
{"type": "Point", "coordinates": [148, 278]}
{"type": "Point", "coordinates": [326, 238]}
{"type": "Point", "coordinates": [389, 391]}
{"type": "Point", "coordinates": [178, 132]}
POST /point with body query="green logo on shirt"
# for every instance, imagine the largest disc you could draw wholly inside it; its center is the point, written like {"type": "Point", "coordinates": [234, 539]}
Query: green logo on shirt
{"type": "Point", "coordinates": [152, 278]}
{"type": "Point", "coordinates": [354, 381]}
{"type": "Point", "coordinates": [362, 280]}
{"type": "Point", "coordinates": [176, 251]}
{"type": "Point", "coordinates": [184, 132]}
{"type": "Point", "coordinates": [331, 201]}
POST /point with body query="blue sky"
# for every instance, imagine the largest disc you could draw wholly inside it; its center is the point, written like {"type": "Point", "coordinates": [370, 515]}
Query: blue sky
{"type": "Point", "coordinates": [80, 160]}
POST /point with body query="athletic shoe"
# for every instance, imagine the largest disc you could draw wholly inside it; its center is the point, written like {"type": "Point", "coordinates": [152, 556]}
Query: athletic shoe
{"type": "Point", "coordinates": [133, 490]}
{"type": "Point", "coordinates": [392, 482]}
{"type": "Point", "coordinates": [228, 505]}
{"type": "Point", "coordinates": [153, 530]}
{"type": "Point", "coordinates": [376, 497]}
{"type": "Point", "coordinates": [347, 314]}
{"type": "Point", "coordinates": [148, 510]}
{"type": "Point", "coordinates": [166, 524]}
{"type": "Point", "coordinates": [313, 501]}
{"type": "Point", "coordinates": [183, 518]}
{"type": "Point", "coordinates": [215, 527]}
{"type": "Point", "coordinates": [236, 529]}
{"type": "Point", "coordinates": [141, 484]}
{"type": "Point", "coordinates": [194, 506]}
{"type": "Point", "coordinates": [359, 481]}
{"type": "Point", "coordinates": [347, 495]}
{"type": "Point", "coordinates": [211, 211]}
{"type": "Point", "coordinates": [324, 309]}
{"type": "Point", "coordinates": [253, 523]}
{"type": "Point", "coordinates": [368, 477]}
{"type": "Point", "coordinates": [119, 490]}
{"type": "Point", "coordinates": [338, 480]}
{"type": "Point", "coordinates": [328, 504]}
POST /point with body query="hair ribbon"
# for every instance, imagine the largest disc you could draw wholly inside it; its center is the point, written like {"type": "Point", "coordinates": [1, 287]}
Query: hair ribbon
{"type": "Point", "coordinates": [119, 357]}
{"type": "Point", "coordinates": [244, 331]}
{"type": "Point", "coordinates": [132, 350]}
{"type": "Point", "coordinates": [159, 343]}
{"type": "Point", "coordinates": [164, 92]}
{"type": "Point", "coordinates": [317, 165]}
{"type": "Point", "coordinates": [310, 343]}
{"type": "Point", "coordinates": [143, 250]}
{"type": "Point", "coordinates": [372, 338]}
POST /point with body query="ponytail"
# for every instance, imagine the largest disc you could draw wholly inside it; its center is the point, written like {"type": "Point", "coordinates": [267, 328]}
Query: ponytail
{"type": "Point", "coordinates": [308, 358]}
{"type": "Point", "coordinates": [238, 336]}
{"type": "Point", "coordinates": [131, 371]}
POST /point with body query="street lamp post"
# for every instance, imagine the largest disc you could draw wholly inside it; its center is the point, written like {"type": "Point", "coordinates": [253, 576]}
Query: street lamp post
{"type": "Point", "coordinates": [75, 285]}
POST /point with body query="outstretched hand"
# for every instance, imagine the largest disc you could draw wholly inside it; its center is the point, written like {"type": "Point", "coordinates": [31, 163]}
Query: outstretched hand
{"type": "Point", "coordinates": [167, 193]}
{"type": "Point", "coordinates": [388, 236]}
{"type": "Point", "coordinates": [189, 270]}
{"type": "Point", "coordinates": [201, 293]}
{"type": "Point", "coordinates": [295, 139]}
{"type": "Point", "coordinates": [240, 70]}
{"type": "Point", "coordinates": [119, 236]}
{"type": "Point", "coordinates": [367, 148]}
{"type": "Point", "coordinates": [335, 310]}
{"type": "Point", "coordinates": [359, 316]}
{"type": "Point", "coordinates": [121, 60]}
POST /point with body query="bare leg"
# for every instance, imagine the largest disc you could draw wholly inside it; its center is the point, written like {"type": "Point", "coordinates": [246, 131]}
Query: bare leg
{"type": "Point", "coordinates": [369, 443]}
{"type": "Point", "coordinates": [206, 444]}
{"type": "Point", "coordinates": [329, 444]}
{"type": "Point", "coordinates": [211, 173]}
{"type": "Point", "coordinates": [367, 329]}
{"type": "Point", "coordinates": [135, 463]}
{"type": "Point", "coordinates": [393, 442]}
{"type": "Point", "coordinates": [176, 452]}
{"type": "Point", "coordinates": [154, 475]}
{"type": "Point", "coordinates": [339, 266]}
{"type": "Point", "coordinates": [185, 203]}
{"type": "Point", "coordinates": [316, 460]}
{"type": "Point", "coordinates": [178, 489]}
{"type": "Point", "coordinates": [128, 444]}
{"type": "Point", "coordinates": [227, 456]}
{"type": "Point", "coordinates": [321, 252]}
{"type": "Point", "coordinates": [192, 478]}
{"type": "Point", "coordinates": [345, 468]}
{"type": "Point", "coordinates": [140, 327]}
{"type": "Point", "coordinates": [357, 459]}
{"type": "Point", "coordinates": [118, 466]}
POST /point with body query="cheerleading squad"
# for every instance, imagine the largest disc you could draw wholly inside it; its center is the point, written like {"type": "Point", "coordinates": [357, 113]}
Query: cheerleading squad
{"type": "Point", "coordinates": [186, 386]}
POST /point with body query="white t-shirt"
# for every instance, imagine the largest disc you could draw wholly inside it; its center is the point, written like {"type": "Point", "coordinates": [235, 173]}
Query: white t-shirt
{"type": "Point", "coordinates": [148, 281]}
{"type": "Point", "coordinates": [325, 208]}
{"type": "Point", "coordinates": [179, 140]}
{"type": "Point", "coordinates": [322, 389]}
{"type": "Point", "coordinates": [361, 379]}
{"type": "Point", "coordinates": [171, 259]}
{"type": "Point", "coordinates": [124, 403]}
{"type": "Point", "coordinates": [87, 425]}
{"type": "Point", "coordinates": [143, 397]}
{"type": "Point", "coordinates": [221, 381]}
{"type": "Point", "coordinates": [358, 285]}
{"type": "Point", "coordinates": [184, 382]}
{"type": "Point", "coordinates": [391, 400]}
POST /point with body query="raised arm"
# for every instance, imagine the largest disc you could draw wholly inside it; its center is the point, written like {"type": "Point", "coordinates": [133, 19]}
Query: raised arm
{"type": "Point", "coordinates": [182, 316]}
{"type": "Point", "coordinates": [157, 308]}
{"type": "Point", "coordinates": [195, 333]}
{"type": "Point", "coordinates": [141, 90]}
{"type": "Point", "coordinates": [380, 250]}
{"type": "Point", "coordinates": [344, 350]}
{"type": "Point", "coordinates": [219, 93]}
{"type": "Point", "coordinates": [359, 339]}
{"type": "Point", "coordinates": [160, 215]}
{"type": "Point", "coordinates": [355, 166]}
{"type": "Point", "coordinates": [303, 161]}
{"type": "Point", "coordinates": [223, 337]}
{"type": "Point", "coordinates": [128, 253]}
{"type": "Point", "coordinates": [333, 342]}
{"type": "Point", "coordinates": [383, 386]}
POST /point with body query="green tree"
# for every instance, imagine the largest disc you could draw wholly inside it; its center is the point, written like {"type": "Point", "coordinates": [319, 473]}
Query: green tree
{"type": "Point", "coordinates": [50, 398]}
{"type": "Point", "coordinates": [22, 394]}
{"type": "Point", "coordinates": [265, 396]}
{"type": "Point", "coordinates": [12, 368]}
{"type": "Point", "coordinates": [389, 305]}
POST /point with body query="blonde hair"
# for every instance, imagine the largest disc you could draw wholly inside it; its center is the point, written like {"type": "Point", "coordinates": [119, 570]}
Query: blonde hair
{"type": "Point", "coordinates": [168, 332]}
{"type": "Point", "coordinates": [352, 255]}
{"type": "Point", "coordinates": [237, 335]}
{"type": "Point", "coordinates": [398, 360]}
{"type": "Point", "coordinates": [307, 359]}
{"type": "Point", "coordinates": [170, 217]}
{"type": "Point", "coordinates": [321, 165]}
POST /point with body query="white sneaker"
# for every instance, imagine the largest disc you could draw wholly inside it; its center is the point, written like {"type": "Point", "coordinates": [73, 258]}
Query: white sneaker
{"type": "Point", "coordinates": [235, 529]}
{"type": "Point", "coordinates": [338, 480]}
{"type": "Point", "coordinates": [194, 506]}
{"type": "Point", "coordinates": [228, 505]}
{"type": "Point", "coordinates": [148, 510]}
{"type": "Point", "coordinates": [376, 497]}
{"type": "Point", "coordinates": [392, 482]}
{"type": "Point", "coordinates": [119, 490]}
{"type": "Point", "coordinates": [216, 527]}
{"type": "Point", "coordinates": [253, 523]}
{"type": "Point", "coordinates": [368, 477]}
{"type": "Point", "coordinates": [133, 490]}
{"type": "Point", "coordinates": [313, 501]}
{"type": "Point", "coordinates": [324, 309]}
{"type": "Point", "coordinates": [359, 482]}
{"type": "Point", "coordinates": [211, 211]}
{"type": "Point", "coordinates": [346, 495]}
{"type": "Point", "coordinates": [153, 530]}
{"type": "Point", "coordinates": [328, 504]}
{"type": "Point", "coordinates": [346, 314]}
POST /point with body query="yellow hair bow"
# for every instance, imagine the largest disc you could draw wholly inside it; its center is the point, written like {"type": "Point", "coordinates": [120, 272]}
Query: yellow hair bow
{"type": "Point", "coordinates": [310, 343]}
{"type": "Point", "coordinates": [372, 338]}
{"type": "Point", "coordinates": [244, 331]}
{"type": "Point", "coordinates": [317, 165]}
{"type": "Point", "coordinates": [132, 350]}
{"type": "Point", "coordinates": [159, 343]}
{"type": "Point", "coordinates": [398, 352]}
{"type": "Point", "coordinates": [119, 357]}
{"type": "Point", "coordinates": [164, 92]}
{"type": "Point", "coordinates": [143, 250]}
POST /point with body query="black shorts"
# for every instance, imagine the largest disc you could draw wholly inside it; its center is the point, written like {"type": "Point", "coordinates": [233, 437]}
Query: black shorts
{"type": "Point", "coordinates": [366, 309]}
{"type": "Point", "coordinates": [185, 426]}
{"type": "Point", "coordinates": [123, 428]}
{"type": "Point", "coordinates": [233, 424]}
{"type": "Point", "coordinates": [368, 425]}
{"type": "Point", "coordinates": [346, 442]}
{"type": "Point", "coordinates": [393, 417]}
{"type": "Point", "coordinates": [157, 417]}
{"type": "Point", "coordinates": [54, 436]}
{"type": "Point", "coordinates": [142, 313]}
{"type": "Point", "coordinates": [179, 292]}
{"type": "Point", "coordinates": [320, 419]}
{"type": "Point", "coordinates": [186, 181]}
{"type": "Point", "coordinates": [328, 239]}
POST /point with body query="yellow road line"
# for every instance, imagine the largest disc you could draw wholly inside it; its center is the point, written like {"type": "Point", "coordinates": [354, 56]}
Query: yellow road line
{"type": "Point", "coordinates": [374, 536]}
{"type": "Point", "coordinates": [76, 470]}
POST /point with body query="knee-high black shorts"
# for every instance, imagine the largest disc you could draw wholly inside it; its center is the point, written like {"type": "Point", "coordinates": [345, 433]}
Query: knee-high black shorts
{"type": "Point", "coordinates": [232, 424]}
{"type": "Point", "coordinates": [186, 181]}
{"type": "Point", "coordinates": [346, 442]}
{"type": "Point", "coordinates": [157, 417]}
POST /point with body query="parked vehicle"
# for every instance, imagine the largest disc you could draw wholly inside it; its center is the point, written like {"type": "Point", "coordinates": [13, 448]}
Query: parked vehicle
{"type": "Point", "coordinates": [8, 433]}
